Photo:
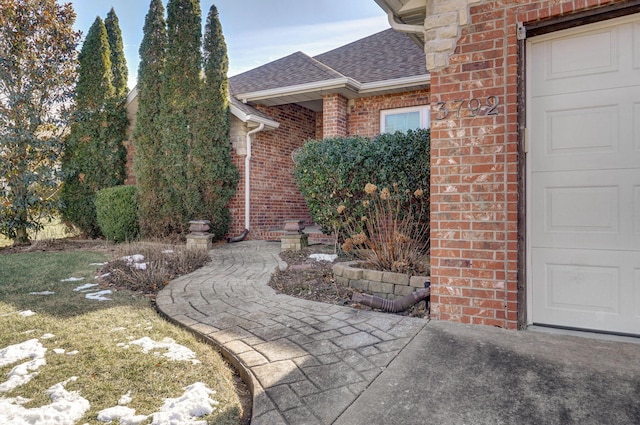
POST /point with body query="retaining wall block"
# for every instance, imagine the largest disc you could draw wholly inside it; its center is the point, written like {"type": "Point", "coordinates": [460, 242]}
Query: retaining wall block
{"type": "Point", "coordinates": [395, 278]}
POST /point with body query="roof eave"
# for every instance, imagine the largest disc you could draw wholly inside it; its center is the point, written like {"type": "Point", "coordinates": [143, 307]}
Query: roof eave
{"type": "Point", "coordinates": [252, 119]}
{"type": "Point", "coordinates": [343, 85]}
{"type": "Point", "coordinates": [397, 83]}
{"type": "Point", "coordinates": [316, 86]}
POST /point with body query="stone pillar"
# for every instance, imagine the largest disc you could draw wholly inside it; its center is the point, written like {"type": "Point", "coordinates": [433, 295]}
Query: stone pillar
{"type": "Point", "coordinates": [199, 236]}
{"type": "Point", "coordinates": [294, 239]}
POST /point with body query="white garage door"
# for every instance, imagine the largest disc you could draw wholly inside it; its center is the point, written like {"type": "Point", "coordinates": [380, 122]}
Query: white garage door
{"type": "Point", "coordinates": [583, 121]}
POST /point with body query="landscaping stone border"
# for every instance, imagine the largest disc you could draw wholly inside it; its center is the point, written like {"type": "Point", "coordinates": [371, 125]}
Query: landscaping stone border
{"type": "Point", "coordinates": [388, 285]}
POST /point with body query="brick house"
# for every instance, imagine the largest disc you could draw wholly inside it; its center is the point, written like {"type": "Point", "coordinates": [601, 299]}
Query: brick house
{"type": "Point", "coordinates": [535, 190]}
{"type": "Point", "coordinates": [363, 88]}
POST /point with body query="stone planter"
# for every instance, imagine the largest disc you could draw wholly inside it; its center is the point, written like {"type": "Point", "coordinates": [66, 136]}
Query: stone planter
{"type": "Point", "coordinates": [388, 285]}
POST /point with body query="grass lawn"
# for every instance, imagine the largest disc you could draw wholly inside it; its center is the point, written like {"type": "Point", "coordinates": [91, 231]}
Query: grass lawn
{"type": "Point", "coordinates": [95, 341]}
{"type": "Point", "coordinates": [53, 230]}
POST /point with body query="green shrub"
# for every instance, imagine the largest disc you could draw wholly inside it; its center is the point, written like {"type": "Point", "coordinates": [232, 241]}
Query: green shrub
{"type": "Point", "coordinates": [116, 211]}
{"type": "Point", "coordinates": [334, 172]}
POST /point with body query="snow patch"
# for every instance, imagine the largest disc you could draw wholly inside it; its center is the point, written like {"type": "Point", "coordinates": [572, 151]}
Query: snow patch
{"type": "Point", "coordinates": [194, 403]}
{"type": "Point", "coordinates": [59, 350]}
{"type": "Point", "coordinates": [175, 351]}
{"type": "Point", "coordinates": [25, 372]}
{"type": "Point", "coordinates": [99, 296]}
{"type": "Point", "coordinates": [26, 313]}
{"type": "Point", "coordinates": [85, 287]}
{"type": "Point", "coordinates": [72, 279]}
{"type": "Point", "coordinates": [66, 407]}
{"type": "Point", "coordinates": [324, 257]}
{"type": "Point", "coordinates": [125, 399]}
{"type": "Point", "coordinates": [47, 336]}
{"type": "Point", "coordinates": [98, 264]}
{"type": "Point", "coordinates": [42, 293]}
{"type": "Point", "coordinates": [140, 266]}
{"type": "Point", "coordinates": [125, 415]}
{"type": "Point", "coordinates": [135, 258]}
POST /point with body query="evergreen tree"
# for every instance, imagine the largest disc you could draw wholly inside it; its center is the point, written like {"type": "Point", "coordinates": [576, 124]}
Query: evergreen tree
{"type": "Point", "coordinates": [38, 63]}
{"type": "Point", "coordinates": [211, 172]}
{"type": "Point", "coordinates": [94, 156]}
{"type": "Point", "coordinates": [118, 61]}
{"type": "Point", "coordinates": [146, 135]}
{"type": "Point", "coordinates": [180, 91]}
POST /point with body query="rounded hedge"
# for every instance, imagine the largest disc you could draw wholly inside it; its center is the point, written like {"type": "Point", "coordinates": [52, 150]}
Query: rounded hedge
{"type": "Point", "coordinates": [117, 213]}
{"type": "Point", "coordinates": [334, 172]}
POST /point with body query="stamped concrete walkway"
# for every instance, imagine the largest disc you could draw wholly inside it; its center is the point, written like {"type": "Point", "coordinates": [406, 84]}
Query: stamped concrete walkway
{"type": "Point", "coordinates": [306, 362]}
{"type": "Point", "coordinates": [311, 363]}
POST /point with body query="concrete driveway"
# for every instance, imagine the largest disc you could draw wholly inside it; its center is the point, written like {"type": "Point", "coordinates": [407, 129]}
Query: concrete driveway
{"type": "Point", "coordinates": [458, 374]}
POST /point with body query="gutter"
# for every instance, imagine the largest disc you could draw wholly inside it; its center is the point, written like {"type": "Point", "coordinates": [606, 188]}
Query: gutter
{"type": "Point", "coordinates": [411, 29]}
{"type": "Point", "coordinates": [337, 83]}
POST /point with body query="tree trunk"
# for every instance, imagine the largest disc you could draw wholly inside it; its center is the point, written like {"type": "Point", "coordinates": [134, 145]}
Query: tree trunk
{"type": "Point", "coordinates": [22, 237]}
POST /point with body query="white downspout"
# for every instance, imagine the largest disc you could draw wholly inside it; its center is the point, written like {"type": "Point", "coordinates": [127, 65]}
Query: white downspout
{"type": "Point", "coordinates": [247, 177]}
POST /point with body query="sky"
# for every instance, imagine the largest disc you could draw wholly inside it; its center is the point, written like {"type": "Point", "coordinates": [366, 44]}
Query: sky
{"type": "Point", "coordinates": [256, 31]}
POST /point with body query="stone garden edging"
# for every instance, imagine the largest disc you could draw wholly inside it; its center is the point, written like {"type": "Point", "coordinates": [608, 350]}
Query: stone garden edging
{"type": "Point", "coordinates": [388, 285]}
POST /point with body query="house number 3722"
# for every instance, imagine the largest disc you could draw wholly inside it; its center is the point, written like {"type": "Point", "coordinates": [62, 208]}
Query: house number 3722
{"type": "Point", "coordinates": [471, 107]}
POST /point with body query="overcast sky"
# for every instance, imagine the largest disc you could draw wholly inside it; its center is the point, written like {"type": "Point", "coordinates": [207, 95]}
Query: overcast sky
{"type": "Point", "coordinates": [256, 31]}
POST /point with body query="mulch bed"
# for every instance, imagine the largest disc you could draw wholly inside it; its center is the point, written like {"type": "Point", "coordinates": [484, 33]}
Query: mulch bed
{"type": "Point", "coordinates": [313, 280]}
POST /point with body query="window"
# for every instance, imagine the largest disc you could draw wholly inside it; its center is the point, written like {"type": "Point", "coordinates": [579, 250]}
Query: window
{"type": "Point", "coordinates": [403, 119]}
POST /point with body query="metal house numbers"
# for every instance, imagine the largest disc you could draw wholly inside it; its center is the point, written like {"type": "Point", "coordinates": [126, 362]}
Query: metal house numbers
{"type": "Point", "coordinates": [467, 107]}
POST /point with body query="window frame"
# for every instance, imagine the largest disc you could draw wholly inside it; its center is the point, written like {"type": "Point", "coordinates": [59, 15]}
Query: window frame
{"type": "Point", "coordinates": [424, 110]}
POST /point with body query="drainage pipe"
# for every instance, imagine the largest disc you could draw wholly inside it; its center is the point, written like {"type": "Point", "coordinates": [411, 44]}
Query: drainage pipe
{"type": "Point", "coordinates": [393, 306]}
{"type": "Point", "coordinates": [247, 186]}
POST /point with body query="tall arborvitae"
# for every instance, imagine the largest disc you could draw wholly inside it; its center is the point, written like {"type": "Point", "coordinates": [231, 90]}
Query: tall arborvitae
{"type": "Point", "coordinates": [118, 61]}
{"type": "Point", "coordinates": [147, 133]}
{"type": "Point", "coordinates": [180, 91]}
{"type": "Point", "coordinates": [211, 172]}
{"type": "Point", "coordinates": [94, 157]}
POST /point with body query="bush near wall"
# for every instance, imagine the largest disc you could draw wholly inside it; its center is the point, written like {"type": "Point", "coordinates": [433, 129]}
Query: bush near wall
{"type": "Point", "coordinates": [117, 213]}
{"type": "Point", "coordinates": [334, 172]}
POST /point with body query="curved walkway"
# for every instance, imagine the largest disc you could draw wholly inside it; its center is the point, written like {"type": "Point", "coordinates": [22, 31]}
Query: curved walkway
{"type": "Point", "coordinates": [305, 362]}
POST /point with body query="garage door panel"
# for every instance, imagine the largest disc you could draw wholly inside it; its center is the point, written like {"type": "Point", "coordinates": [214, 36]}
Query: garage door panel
{"type": "Point", "coordinates": [610, 60]}
{"type": "Point", "coordinates": [598, 210]}
{"type": "Point", "coordinates": [636, 126]}
{"type": "Point", "coordinates": [588, 289]}
{"type": "Point", "coordinates": [636, 210]}
{"type": "Point", "coordinates": [636, 290]}
{"type": "Point", "coordinates": [636, 45]}
{"type": "Point", "coordinates": [586, 131]}
{"type": "Point", "coordinates": [583, 182]}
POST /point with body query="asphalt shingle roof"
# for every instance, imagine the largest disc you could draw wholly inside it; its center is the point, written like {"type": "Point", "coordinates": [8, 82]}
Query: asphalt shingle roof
{"type": "Point", "coordinates": [383, 56]}
{"type": "Point", "coordinates": [386, 55]}
{"type": "Point", "coordinates": [297, 68]}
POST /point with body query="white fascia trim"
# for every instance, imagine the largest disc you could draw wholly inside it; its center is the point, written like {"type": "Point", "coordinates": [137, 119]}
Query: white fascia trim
{"type": "Point", "coordinates": [249, 118]}
{"type": "Point", "coordinates": [336, 83]}
{"type": "Point", "coordinates": [398, 83]}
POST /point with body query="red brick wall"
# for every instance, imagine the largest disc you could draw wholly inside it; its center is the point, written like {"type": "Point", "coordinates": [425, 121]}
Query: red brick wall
{"type": "Point", "coordinates": [334, 119]}
{"type": "Point", "coordinates": [274, 194]}
{"type": "Point", "coordinates": [364, 115]}
{"type": "Point", "coordinates": [131, 152]}
{"type": "Point", "coordinates": [475, 167]}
